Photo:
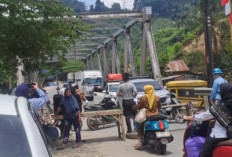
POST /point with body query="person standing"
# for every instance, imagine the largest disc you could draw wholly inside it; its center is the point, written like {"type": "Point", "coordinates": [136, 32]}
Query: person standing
{"type": "Point", "coordinates": [57, 99]}
{"type": "Point", "coordinates": [79, 95]}
{"type": "Point", "coordinates": [218, 80]}
{"type": "Point", "coordinates": [72, 116]}
{"type": "Point", "coordinates": [37, 97]}
{"type": "Point", "coordinates": [152, 103]}
{"type": "Point", "coordinates": [127, 91]}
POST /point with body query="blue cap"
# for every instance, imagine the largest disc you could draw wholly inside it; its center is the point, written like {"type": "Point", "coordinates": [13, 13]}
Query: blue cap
{"type": "Point", "coordinates": [217, 71]}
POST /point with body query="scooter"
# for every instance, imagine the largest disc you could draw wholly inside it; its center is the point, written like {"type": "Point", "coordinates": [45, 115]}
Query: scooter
{"type": "Point", "coordinates": [155, 133]}
{"type": "Point", "coordinates": [107, 103]}
{"type": "Point", "coordinates": [174, 113]}
{"type": "Point", "coordinates": [223, 149]}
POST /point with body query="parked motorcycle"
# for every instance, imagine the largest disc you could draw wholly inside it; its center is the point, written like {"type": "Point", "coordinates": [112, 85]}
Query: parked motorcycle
{"type": "Point", "coordinates": [155, 133]}
{"type": "Point", "coordinates": [174, 113]}
{"type": "Point", "coordinates": [107, 103]}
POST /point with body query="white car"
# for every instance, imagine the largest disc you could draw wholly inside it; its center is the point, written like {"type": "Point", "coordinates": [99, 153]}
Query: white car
{"type": "Point", "coordinates": [20, 131]}
{"type": "Point", "coordinates": [140, 82]}
{"type": "Point", "coordinates": [111, 88]}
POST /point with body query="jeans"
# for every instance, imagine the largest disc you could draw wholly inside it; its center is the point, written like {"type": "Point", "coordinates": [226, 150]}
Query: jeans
{"type": "Point", "coordinates": [67, 128]}
{"type": "Point", "coordinates": [128, 112]}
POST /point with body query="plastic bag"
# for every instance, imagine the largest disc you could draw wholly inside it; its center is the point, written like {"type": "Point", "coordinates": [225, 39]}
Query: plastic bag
{"type": "Point", "coordinates": [141, 116]}
{"type": "Point", "coordinates": [193, 146]}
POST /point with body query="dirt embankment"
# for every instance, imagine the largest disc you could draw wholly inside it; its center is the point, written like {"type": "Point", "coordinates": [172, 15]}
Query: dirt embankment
{"type": "Point", "coordinates": [198, 44]}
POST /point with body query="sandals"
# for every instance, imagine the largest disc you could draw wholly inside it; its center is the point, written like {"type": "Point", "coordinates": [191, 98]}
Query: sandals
{"type": "Point", "coordinates": [138, 147]}
{"type": "Point", "coordinates": [76, 146]}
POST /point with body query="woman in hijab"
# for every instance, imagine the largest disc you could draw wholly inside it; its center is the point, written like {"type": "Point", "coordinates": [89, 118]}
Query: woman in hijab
{"type": "Point", "coordinates": [221, 111]}
{"type": "Point", "coordinates": [72, 116]}
{"type": "Point", "coordinates": [152, 103]}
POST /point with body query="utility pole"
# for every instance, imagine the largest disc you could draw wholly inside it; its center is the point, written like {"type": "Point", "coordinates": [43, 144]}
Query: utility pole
{"type": "Point", "coordinates": [208, 42]}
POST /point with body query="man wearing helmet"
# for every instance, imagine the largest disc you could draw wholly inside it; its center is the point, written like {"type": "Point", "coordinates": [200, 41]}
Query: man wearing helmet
{"type": "Point", "coordinates": [218, 80]}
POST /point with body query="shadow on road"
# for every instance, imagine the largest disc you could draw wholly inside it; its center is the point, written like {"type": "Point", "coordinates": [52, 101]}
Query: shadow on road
{"type": "Point", "coordinates": [101, 127]}
{"type": "Point", "coordinates": [151, 150]}
{"type": "Point", "coordinates": [102, 139]}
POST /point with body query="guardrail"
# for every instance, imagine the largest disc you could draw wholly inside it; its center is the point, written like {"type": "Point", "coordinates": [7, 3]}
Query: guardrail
{"type": "Point", "coordinates": [117, 114]}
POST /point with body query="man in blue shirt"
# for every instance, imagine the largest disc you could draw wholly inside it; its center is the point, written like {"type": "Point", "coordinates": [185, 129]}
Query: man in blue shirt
{"type": "Point", "coordinates": [218, 80]}
{"type": "Point", "coordinates": [37, 97]}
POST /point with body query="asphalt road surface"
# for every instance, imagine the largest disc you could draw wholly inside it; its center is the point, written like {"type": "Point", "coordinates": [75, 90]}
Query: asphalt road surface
{"type": "Point", "coordinates": [105, 142]}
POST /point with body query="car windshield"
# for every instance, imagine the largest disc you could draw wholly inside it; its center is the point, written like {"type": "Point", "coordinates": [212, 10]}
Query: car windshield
{"type": "Point", "coordinates": [139, 85]}
{"type": "Point", "coordinates": [93, 81]}
{"type": "Point", "coordinates": [13, 137]}
{"type": "Point", "coordinates": [113, 88]}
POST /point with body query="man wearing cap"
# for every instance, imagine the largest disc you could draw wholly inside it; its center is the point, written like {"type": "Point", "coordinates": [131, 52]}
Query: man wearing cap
{"type": "Point", "coordinates": [218, 80]}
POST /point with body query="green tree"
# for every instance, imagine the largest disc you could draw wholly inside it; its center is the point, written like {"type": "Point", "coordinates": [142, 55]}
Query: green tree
{"type": "Point", "coordinates": [91, 8]}
{"type": "Point", "coordinates": [100, 6]}
{"type": "Point", "coordinates": [76, 5]}
{"type": "Point", "coordinates": [172, 9]}
{"type": "Point", "coordinates": [116, 7]}
{"type": "Point", "coordinates": [32, 32]}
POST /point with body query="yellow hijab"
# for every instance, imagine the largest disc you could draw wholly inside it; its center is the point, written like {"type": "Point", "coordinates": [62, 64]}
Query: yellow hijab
{"type": "Point", "coordinates": [150, 94]}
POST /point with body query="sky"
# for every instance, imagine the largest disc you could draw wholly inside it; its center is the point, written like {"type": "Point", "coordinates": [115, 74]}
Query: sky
{"type": "Point", "coordinates": [108, 3]}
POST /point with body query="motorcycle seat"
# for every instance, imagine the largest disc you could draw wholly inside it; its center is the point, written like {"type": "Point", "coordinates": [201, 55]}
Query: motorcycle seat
{"type": "Point", "coordinates": [225, 143]}
{"type": "Point", "coordinates": [156, 117]}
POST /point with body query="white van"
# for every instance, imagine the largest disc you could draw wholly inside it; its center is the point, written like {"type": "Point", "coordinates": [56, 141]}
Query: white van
{"type": "Point", "coordinates": [89, 81]}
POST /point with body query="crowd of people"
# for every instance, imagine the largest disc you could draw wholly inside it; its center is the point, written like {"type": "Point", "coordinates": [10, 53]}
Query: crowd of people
{"type": "Point", "coordinates": [68, 102]}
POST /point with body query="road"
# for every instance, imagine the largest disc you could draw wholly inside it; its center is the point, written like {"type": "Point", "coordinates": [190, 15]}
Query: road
{"type": "Point", "coordinates": [105, 142]}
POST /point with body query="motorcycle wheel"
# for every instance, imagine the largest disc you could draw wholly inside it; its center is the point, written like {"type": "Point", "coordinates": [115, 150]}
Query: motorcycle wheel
{"type": "Point", "coordinates": [177, 115]}
{"type": "Point", "coordinates": [160, 148]}
{"type": "Point", "coordinates": [92, 124]}
{"type": "Point", "coordinates": [60, 125]}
